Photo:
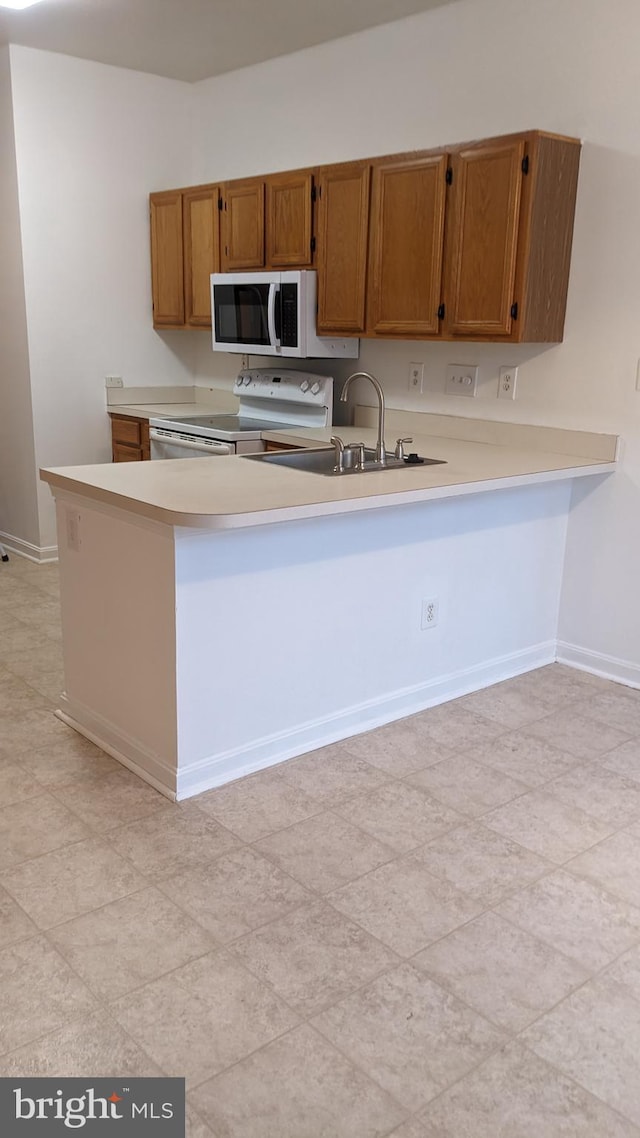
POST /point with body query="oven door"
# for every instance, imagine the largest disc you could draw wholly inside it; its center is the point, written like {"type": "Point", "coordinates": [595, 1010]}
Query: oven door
{"type": "Point", "coordinates": [173, 444]}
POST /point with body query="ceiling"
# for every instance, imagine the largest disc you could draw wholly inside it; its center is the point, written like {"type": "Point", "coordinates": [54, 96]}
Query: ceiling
{"type": "Point", "coordinates": [194, 39]}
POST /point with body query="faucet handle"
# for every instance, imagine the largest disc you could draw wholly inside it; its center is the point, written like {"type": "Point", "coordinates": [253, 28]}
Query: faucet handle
{"type": "Point", "coordinates": [399, 451]}
{"type": "Point", "coordinates": [339, 447]}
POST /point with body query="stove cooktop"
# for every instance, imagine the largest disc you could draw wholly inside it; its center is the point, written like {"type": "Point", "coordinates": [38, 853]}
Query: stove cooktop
{"type": "Point", "coordinates": [229, 428]}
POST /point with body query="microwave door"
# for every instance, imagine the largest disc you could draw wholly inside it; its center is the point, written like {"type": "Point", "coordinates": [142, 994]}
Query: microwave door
{"type": "Point", "coordinates": [240, 317]}
{"type": "Point", "coordinates": [250, 308]}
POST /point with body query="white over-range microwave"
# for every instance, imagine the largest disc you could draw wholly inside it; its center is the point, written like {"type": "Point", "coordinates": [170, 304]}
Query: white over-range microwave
{"type": "Point", "coordinates": [271, 314]}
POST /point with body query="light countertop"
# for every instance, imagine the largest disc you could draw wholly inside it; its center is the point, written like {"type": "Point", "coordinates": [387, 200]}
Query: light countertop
{"type": "Point", "coordinates": [233, 492]}
{"type": "Point", "coordinates": [170, 402]}
{"type": "Point", "coordinates": [168, 410]}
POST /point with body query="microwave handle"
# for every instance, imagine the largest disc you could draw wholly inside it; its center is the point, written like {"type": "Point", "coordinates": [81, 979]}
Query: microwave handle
{"type": "Point", "coordinates": [274, 289]}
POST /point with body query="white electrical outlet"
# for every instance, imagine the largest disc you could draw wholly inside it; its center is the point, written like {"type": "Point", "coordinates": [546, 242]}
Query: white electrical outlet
{"type": "Point", "coordinates": [429, 614]}
{"type": "Point", "coordinates": [507, 380]}
{"type": "Point", "coordinates": [416, 378]}
{"type": "Point", "coordinates": [462, 379]}
{"type": "Point", "coordinates": [113, 381]}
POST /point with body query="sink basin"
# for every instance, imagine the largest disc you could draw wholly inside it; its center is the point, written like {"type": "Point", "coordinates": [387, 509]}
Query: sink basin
{"type": "Point", "coordinates": [321, 460]}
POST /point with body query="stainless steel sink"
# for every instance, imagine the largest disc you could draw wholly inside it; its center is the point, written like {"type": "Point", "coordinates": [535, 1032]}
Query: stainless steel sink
{"type": "Point", "coordinates": [321, 460]}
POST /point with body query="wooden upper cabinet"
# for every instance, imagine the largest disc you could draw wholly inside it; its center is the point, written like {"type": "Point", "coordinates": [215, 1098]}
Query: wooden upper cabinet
{"type": "Point", "coordinates": [289, 216]}
{"type": "Point", "coordinates": [546, 236]}
{"type": "Point", "coordinates": [406, 241]}
{"type": "Point", "coordinates": [201, 252]}
{"type": "Point", "coordinates": [167, 266]}
{"type": "Point", "coordinates": [343, 226]}
{"type": "Point", "coordinates": [483, 230]}
{"type": "Point", "coordinates": [243, 225]}
{"type": "Point", "coordinates": [476, 247]}
{"type": "Point", "coordinates": [508, 238]}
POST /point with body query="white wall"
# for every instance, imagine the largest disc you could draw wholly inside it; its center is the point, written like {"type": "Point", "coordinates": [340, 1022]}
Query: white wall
{"type": "Point", "coordinates": [470, 70]}
{"type": "Point", "coordinates": [18, 508]}
{"type": "Point", "coordinates": [91, 143]}
{"type": "Point", "coordinates": [344, 596]}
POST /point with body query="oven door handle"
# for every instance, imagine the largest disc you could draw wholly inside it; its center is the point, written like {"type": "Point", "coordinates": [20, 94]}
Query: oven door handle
{"type": "Point", "coordinates": [274, 292]}
{"type": "Point", "coordinates": [175, 440]}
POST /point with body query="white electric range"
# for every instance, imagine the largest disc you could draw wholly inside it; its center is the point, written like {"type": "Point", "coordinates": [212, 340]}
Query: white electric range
{"type": "Point", "coordinates": [269, 398]}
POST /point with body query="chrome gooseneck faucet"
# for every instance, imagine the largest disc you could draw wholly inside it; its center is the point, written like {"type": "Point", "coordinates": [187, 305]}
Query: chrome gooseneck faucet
{"type": "Point", "coordinates": [380, 451]}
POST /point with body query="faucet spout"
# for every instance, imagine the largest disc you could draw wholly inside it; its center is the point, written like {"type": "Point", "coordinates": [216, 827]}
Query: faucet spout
{"type": "Point", "coordinates": [380, 451]}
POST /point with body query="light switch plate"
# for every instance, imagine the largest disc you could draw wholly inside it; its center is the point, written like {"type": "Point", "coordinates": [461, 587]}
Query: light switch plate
{"type": "Point", "coordinates": [462, 379]}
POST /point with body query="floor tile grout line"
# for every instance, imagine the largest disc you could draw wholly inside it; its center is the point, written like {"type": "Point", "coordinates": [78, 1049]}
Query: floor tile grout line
{"type": "Point", "coordinates": [100, 1008]}
{"type": "Point", "coordinates": [566, 1074]}
{"type": "Point", "coordinates": [267, 854]}
{"type": "Point", "coordinates": [56, 793]}
{"type": "Point", "coordinates": [289, 1031]}
{"type": "Point", "coordinates": [305, 1016]}
{"type": "Point", "coordinates": [598, 974]}
{"type": "Point", "coordinates": [552, 1066]}
{"type": "Point", "coordinates": [536, 935]}
{"type": "Point", "coordinates": [5, 870]}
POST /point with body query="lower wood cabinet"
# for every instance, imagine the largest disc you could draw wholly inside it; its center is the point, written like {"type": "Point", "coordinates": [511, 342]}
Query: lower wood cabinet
{"type": "Point", "coordinates": [129, 438]}
{"type": "Point", "coordinates": [269, 445]}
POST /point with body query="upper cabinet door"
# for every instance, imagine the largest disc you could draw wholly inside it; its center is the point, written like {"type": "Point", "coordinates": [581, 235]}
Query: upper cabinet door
{"type": "Point", "coordinates": [482, 238]}
{"type": "Point", "coordinates": [289, 220]}
{"type": "Point", "coordinates": [406, 240]}
{"type": "Point", "coordinates": [243, 221]}
{"type": "Point", "coordinates": [201, 252]}
{"type": "Point", "coordinates": [167, 280]}
{"type": "Point", "coordinates": [343, 226]}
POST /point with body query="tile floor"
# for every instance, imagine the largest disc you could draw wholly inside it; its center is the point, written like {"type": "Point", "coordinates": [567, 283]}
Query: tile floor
{"type": "Point", "coordinates": [430, 931]}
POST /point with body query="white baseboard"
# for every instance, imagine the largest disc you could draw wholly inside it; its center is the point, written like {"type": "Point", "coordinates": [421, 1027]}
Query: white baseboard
{"type": "Point", "coordinates": [599, 664]}
{"type": "Point", "coordinates": [219, 769]}
{"type": "Point", "coordinates": [39, 553]}
{"type": "Point", "coordinates": [120, 746]}
{"type": "Point", "coordinates": [215, 770]}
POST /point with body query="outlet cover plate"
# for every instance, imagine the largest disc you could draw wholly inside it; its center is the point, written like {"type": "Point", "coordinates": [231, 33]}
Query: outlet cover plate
{"type": "Point", "coordinates": [462, 379]}
{"type": "Point", "coordinates": [416, 378]}
{"type": "Point", "coordinates": [429, 613]}
{"type": "Point", "coordinates": [507, 382]}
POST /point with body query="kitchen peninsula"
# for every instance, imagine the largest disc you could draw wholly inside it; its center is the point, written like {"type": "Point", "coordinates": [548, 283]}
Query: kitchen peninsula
{"type": "Point", "coordinates": [220, 616]}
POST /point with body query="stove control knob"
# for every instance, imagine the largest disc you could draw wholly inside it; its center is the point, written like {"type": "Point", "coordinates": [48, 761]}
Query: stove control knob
{"type": "Point", "coordinates": [247, 380]}
{"type": "Point", "coordinates": [315, 389]}
{"type": "Point", "coordinates": [304, 386]}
